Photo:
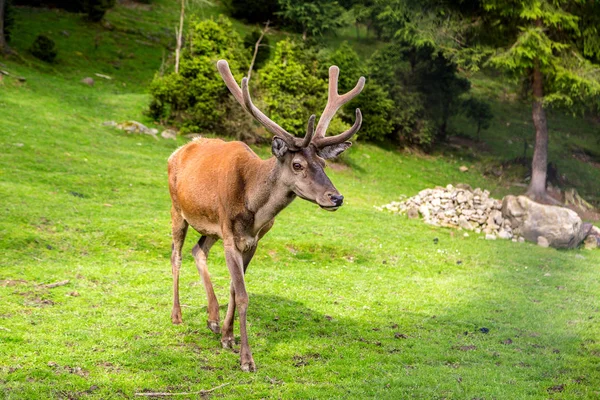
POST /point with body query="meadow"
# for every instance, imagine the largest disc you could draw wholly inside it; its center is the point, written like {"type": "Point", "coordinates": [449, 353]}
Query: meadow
{"type": "Point", "coordinates": [352, 304]}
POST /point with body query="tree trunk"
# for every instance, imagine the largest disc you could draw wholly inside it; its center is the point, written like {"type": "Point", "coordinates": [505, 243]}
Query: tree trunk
{"type": "Point", "coordinates": [179, 37]}
{"type": "Point", "coordinates": [537, 186]}
{"type": "Point", "coordinates": [3, 45]}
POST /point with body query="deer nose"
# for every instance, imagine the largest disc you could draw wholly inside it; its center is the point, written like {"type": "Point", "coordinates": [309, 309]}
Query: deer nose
{"type": "Point", "coordinates": [336, 199]}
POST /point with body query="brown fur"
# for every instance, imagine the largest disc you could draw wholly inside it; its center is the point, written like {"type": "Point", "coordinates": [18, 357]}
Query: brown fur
{"type": "Point", "coordinates": [225, 191]}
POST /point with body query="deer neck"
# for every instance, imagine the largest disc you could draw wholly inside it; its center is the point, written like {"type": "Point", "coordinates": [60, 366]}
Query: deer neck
{"type": "Point", "coordinates": [269, 195]}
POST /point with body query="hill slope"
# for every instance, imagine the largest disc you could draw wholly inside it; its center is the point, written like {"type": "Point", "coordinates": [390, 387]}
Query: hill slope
{"type": "Point", "coordinates": [355, 304]}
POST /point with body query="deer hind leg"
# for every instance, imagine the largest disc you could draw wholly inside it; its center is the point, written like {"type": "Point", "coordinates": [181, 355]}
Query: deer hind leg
{"type": "Point", "coordinates": [180, 227]}
{"type": "Point", "coordinates": [200, 253]}
{"type": "Point", "coordinates": [237, 264]}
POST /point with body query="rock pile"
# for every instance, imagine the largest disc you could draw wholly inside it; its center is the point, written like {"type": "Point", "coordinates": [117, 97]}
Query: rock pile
{"type": "Point", "coordinates": [457, 207]}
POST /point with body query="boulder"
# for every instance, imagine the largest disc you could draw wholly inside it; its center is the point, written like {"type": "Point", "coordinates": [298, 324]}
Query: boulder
{"type": "Point", "coordinates": [169, 134]}
{"type": "Point", "coordinates": [560, 227]}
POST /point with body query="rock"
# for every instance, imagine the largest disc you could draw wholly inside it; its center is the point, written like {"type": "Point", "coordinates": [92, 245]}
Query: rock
{"type": "Point", "coordinates": [137, 127]}
{"type": "Point", "coordinates": [590, 242]}
{"type": "Point", "coordinates": [489, 236]}
{"type": "Point", "coordinates": [424, 211]}
{"type": "Point", "coordinates": [109, 123]}
{"type": "Point", "coordinates": [464, 223]}
{"type": "Point", "coordinates": [561, 227]}
{"type": "Point", "coordinates": [463, 168]}
{"type": "Point", "coordinates": [502, 234]}
{"type": "Point", "coordinates": [465, 234]}
{"type": "Point", "coordinates": [88, 81]}
{"type": "Point", "coordinates": [169, 134]}
{"type": "Point", "coordinates": [461, 198]}
{"type": "Point", "coordinates": [542, 241]}
{"type": "Point", "coordinates": [413, 213]}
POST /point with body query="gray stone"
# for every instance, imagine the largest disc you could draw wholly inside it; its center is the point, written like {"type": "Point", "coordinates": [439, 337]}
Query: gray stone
{"type": "Point", "coordinates": [413, 213]}
{"type": "Point", "coordinates": [489, 236]}
{"type": "Point", "coordinates": [542, 241]}
{"type": "Point", "coordinates": [502, 234]}
{"type": "Point", "coordinates": [464, 223]}
{"type": "Point", "coordinates": [169, 134]}
{"type": "Point", "coordinates": [590, 242]}
{"type": "Point", "coordinates": [561, 227]}
{"type": "Point", "coordinates": [88, 81]}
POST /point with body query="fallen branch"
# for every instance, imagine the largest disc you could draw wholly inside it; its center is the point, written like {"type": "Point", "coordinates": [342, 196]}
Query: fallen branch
{"type": "Point", "coordinates": [166, 394]}
{"type": "Point", "coordinates": [55, 284]}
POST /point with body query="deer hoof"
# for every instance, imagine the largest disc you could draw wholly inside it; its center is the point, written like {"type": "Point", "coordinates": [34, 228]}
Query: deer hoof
{"type": "Point", "coordinates": [228, 343]}
{"type": "Point", "coordinates": [249, 366]}
{"type": "Point", "coordinates": [213, 326]}
{"type": "Point", "coordinates": [176, 317]}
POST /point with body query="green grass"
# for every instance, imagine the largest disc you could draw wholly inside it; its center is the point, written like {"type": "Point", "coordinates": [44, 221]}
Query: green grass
{"type": "Point", "coordinates": [354, 304]}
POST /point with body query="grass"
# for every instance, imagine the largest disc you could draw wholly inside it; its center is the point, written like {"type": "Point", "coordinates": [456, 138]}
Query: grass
{"type": "Point", "coordinates": [355, 304]}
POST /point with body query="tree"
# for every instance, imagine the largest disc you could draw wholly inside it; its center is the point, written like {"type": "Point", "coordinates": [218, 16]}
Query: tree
{"type": "Point", "coordinates": [479, 112]}
{"type": "Point", "coordinates": [3, 44]}
{"type": "Point", "coordinates": [313, 17]}
{"type": "Point", "coordinates": [550, 46]}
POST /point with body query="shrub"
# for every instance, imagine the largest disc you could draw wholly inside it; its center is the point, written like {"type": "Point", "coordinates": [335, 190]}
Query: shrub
{"type": "Point", "coordinates": [95, 9]}
{"type": "Point", "coordinates": [479, 112]}
{"type": "Point", "coordinates": [255, 11]}
{"type": "Point", "coordinates": [291, 86]}
{"type": "Point", "coordinates": [195, 98]}
{"type": "Point", "coordinates": [44, 48]}
{"type": "Point", "coordinates": [9, 20]}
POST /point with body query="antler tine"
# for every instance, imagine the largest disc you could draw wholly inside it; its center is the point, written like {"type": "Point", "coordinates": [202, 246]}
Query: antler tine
{"type": "Point", "coordinates": [310, 131]}
{"type": "Point", "coordinates": [342, 137]}
{"type": "Point", "coordinates": [243, 97]}
{"type": "Point", "coordinates": [335, 101]}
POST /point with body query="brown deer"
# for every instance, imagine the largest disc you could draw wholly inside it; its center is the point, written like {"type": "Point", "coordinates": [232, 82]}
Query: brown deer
{"type": "Point", "coordinates": [225, 191]}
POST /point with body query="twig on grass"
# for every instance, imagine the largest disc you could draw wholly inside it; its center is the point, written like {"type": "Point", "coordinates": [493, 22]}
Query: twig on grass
{"type": "Point", "coordinates": [55, 284]}
{"type": "Point", "coordinates": [166, 394]}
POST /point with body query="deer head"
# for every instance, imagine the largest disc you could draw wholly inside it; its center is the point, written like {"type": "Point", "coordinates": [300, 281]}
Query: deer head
{"type": "Point", "coordinates": [301, 160]}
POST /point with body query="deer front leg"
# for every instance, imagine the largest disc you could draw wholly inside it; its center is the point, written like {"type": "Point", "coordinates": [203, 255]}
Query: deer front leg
{"type": "Point", "coordinates": [236, 264]}
{"type": "Point", "coordinates": [180, 227]}
{"type": "Point", "coordinates": [200, 253]}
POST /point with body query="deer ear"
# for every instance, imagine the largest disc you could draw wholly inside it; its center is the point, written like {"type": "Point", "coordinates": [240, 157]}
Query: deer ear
{"type": "Point", "coordinates": [329, 152]}
{"type": "Point", "coordinates": [279, 147]}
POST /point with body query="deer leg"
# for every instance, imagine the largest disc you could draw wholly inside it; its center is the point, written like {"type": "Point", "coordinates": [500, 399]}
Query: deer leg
{"type": "Point", "coordinates": [200, 253]}
{"type": "Point", "coordinates": [236, 264]}
{"type": "Point", "coordinates": [180, 227]}
{"type": "Point", "coordinates": [228, 340]}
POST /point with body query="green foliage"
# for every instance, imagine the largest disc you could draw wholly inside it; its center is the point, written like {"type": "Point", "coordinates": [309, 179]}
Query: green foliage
{"type": "Point", "coordinates": [264, 49]}
{"type": "Point", "coordinates": [478, 111]}
{"type": "Point", "coordinates": [254, 11]}
{"type": "Point", "coordinates": [374, 102]}
{"type": "Point", "coordinates": [9, 20]}
{"type": "Point", "coordinates": [313, 17]}
{"type": "Point", "coordinates": [291, 88]}
{"type": "Point", "coordinates": [95, 9]}
{"type": "Point", "coordinates": [44, 48]}
{"type": "Point", "coordinates": [194, 98]}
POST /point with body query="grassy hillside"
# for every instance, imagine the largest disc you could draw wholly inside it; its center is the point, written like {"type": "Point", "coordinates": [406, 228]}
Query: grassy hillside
{"type": "Point", "coordinates": [354, 304]}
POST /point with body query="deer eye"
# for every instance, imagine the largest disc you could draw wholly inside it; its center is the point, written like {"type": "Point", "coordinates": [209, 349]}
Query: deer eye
{"type": "Point", "coordinates": [297, 166]}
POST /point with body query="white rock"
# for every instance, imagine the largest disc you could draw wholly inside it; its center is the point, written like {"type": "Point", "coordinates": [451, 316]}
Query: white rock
{"type": "Point", "coordinates": [489, 236]}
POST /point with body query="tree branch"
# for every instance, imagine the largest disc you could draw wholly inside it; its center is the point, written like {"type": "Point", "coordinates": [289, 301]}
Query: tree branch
{"type": "Point", "coordinates": [256, 46]}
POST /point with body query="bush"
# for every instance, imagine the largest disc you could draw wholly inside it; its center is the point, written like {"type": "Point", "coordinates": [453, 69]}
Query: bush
{"type": "Point", "coordinates": [9, 20]}
{"type": "Point", "coordinates": [44, 48]}
{"type": "Point", "coordinates": [291, 86]}
{"type": "Point", "coordinates": [95, 9]}
{"type": "Point", "coordinates": [195, 98]}
{"type": "Point", "coordinates": [254, 11]}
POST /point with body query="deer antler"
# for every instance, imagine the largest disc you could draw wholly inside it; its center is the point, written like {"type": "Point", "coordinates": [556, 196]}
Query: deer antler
{"type": "Point", "coordinates": [242, 95]}
{"type": "Point", "coordinates": [334, 102]}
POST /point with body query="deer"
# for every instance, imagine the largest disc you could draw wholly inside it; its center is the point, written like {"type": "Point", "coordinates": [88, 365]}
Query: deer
{"type": "Point", "coordinates": [226, 191]}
